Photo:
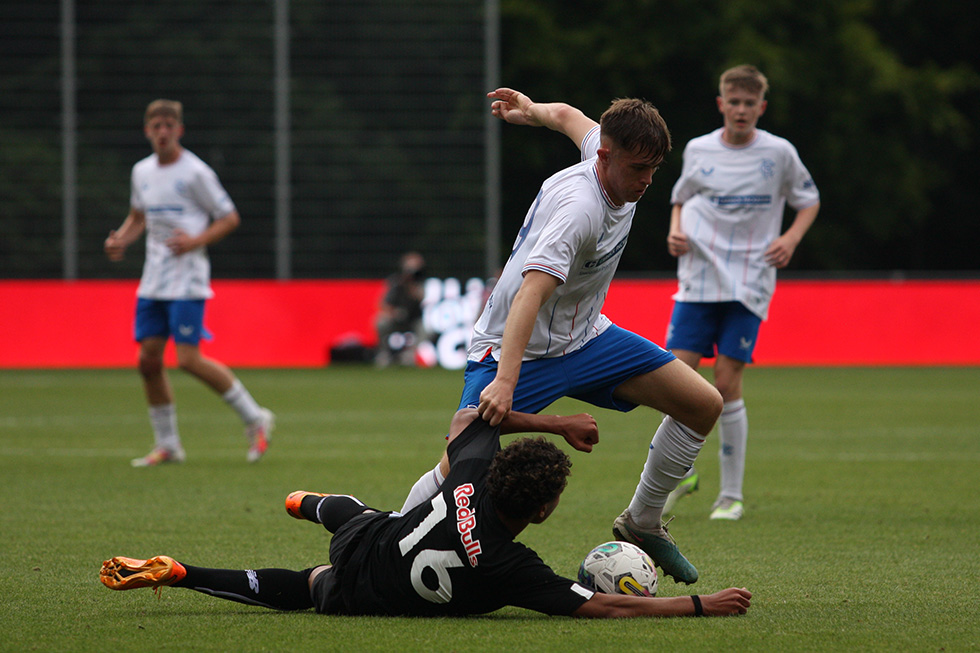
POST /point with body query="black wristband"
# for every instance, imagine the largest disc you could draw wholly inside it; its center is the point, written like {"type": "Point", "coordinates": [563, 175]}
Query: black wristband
{"type": "Point", "coordinates": [698, 610]}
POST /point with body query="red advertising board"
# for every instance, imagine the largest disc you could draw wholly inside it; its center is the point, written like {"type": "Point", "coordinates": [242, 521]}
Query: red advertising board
{"type": "Point", "coordinates": [55, 324]}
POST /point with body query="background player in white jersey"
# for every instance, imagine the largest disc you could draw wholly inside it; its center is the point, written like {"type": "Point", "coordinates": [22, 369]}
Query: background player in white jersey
{"type": "Point", "coordinates": [177, 199]}
{"type": "Point", "coordinates": [452, 555]}
{"type": "Point", "coordinates": [725, 227]}
{"type": "Point", "coordinates": [542, 335]}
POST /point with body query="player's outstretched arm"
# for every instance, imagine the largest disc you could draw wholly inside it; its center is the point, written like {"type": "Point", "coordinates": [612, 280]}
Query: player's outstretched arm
{"type": "Point", "coordinates": [580, 431]}
{"type": "Point", "coordinates": [518, 109]}
{"type": "Point", "coordinates": [731, 601]}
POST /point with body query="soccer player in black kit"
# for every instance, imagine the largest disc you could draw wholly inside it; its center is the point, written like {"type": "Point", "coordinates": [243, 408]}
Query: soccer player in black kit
{"type": "Point", "coordinates": [452, 555]}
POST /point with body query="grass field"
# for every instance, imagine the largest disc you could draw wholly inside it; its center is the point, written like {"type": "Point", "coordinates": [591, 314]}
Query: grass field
{"type": "Point", "coordinates": [862, 530]}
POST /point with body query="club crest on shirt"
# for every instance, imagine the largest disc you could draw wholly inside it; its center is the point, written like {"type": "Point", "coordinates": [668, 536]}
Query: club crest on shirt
{"type": "Point", "coordinates": [768, 168]}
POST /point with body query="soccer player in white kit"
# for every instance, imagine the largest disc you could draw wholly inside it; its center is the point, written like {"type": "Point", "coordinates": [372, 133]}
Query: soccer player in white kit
{"type": "Point", "coordinates": [542, 335]}
{"type": "Point", "coordinates": [725, 230]}
{"type": "Point", "coordinates": [179, 202]}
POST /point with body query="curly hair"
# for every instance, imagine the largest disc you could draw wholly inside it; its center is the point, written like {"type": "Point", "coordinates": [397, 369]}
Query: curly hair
{"type": "Point", "coordinates": [525, 475]}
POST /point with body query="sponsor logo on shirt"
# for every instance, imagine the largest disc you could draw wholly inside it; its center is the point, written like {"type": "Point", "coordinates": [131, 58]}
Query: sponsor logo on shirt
{"type": "Point", "coordinates": [466, 522]}
{"type": "Point", "coordinates": [742, 200]}
{"type": "Point", "coordinates": [707, 171]}
{"type": "Point", "coordinates": [590, 266]}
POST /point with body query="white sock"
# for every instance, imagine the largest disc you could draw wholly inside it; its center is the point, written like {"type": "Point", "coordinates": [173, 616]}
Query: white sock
{"type": "Point", "coordinates": [733, 434]}
{"type": "Point", "coordinates": [427, 485]}
{"type": "Point", "coordinates": [239, 398]}
{"type": "Point", "coordinates": [672, 452]}
{"type": "Point", "coordinates": [163, 418]}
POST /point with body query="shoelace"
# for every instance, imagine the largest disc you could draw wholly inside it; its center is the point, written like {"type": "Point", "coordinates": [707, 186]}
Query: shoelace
{"type": "Point", "coordinates": [667, 534]}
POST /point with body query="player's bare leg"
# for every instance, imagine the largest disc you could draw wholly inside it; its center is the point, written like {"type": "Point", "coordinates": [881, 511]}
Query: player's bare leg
{"type": "Point", "coordinates": [258, 421]}
{"type": "Point", "coordinates": [163, 413]}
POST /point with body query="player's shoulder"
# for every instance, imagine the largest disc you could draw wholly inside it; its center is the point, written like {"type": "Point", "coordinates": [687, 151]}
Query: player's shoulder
{"type": "Point", "coordinates": [193, 161]}
{"type": "Point", "coordinates": [768, 139]}
{"type": "Point", "coordinates": [709, 142]}
{"type": "Point", "coordinates": [146, 163]}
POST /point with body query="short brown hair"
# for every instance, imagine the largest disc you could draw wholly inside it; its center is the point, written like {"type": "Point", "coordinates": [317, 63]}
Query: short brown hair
{"type": "Point", "coordinates": [170, 108]}
{"type": "Point", "coordinates": [636, 126]}
{"type": "Point", "coordinates": [525, 475]}
{"type": "Point", "coordinates": [746, 77]}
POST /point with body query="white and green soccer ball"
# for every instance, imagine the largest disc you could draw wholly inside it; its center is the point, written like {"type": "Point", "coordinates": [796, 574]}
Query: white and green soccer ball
{"type": "Point", "coordinates": [619, 568]}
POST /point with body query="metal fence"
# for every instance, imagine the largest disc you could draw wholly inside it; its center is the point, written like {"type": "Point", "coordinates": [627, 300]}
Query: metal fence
{"type": "Point", "coordinates": [347, 132]}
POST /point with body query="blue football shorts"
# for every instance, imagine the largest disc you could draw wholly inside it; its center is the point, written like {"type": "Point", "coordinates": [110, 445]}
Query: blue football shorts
{"type": "Point", "coordinates": [701, 327]}
{"type": "Point", "coordinates": [590, 374]}
{"type": "Point", "coordinates": [161, 318]}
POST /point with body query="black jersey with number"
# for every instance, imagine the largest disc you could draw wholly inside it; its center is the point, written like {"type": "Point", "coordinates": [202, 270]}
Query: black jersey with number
{"type": "Point", "coordinates": [451, 555]}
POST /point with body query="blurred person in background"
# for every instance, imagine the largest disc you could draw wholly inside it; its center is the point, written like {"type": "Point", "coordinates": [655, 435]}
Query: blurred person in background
{"type": "Point", "coordinates": [399, 319]}
{"type": "Point", "coordinates": [179, 202]}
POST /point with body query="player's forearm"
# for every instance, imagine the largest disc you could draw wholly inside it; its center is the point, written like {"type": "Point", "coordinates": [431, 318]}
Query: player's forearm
{"type": "Point", "coordinates": [802, 222]}
{"type": "Point", "coordinates": [563, 118]}
{"type": "Point", "coordinates": [675, 218]}
{"type": "Point", "coordinates": [619, 606]}
{"type": "Point", "coordinates": [131, 228]}
{"type": "Point", "coordinates": [219, 229]}
{"type": "Point", "coordinates": [533, 293]}
{"type": "Point", "coordinates": [530, 423]}
{"type": "Point", "coordinates": [517, 333]}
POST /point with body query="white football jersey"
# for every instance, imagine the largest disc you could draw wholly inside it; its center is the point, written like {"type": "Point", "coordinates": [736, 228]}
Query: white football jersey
{"type": "Point", "coordinates": [187, 195]}
{"type": "Point", "coordinates": [733, 200]}
{"type": "Point", "coordinates": [575, 233]}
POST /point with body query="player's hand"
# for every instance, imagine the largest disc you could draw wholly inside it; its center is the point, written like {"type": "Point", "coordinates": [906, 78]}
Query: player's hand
{"type": "Point", "coordinates": [181, 243]}
{"type": "Point", "coordinates": [728, 602]}
{"type": "Point", "coordinates": [581, 431]}
{"type": "Point", "coordinates": [512, 106]}
{"type": "Point", "coordinates": [496, 401]}
{"type": "Point", "coordinates": [780, 252]}
{"type": "Point", "coordinates": [677, 244]}
{"type": "Point", "coordinates": [114, 247]}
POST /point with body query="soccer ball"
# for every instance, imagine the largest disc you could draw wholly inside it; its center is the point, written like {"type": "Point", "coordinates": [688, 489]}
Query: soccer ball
{"type": "Point", "coordinates": [619, 568]}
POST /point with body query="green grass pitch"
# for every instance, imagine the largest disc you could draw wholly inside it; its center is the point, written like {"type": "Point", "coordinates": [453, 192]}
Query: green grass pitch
{"type": "Point", "coordinates": [862, 530]}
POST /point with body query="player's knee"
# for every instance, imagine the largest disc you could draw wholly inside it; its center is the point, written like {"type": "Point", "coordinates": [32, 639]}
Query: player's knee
{"type": "Point", "coordinates": [726, 388]}
{"type": "Point", "coordinates": [150, 366]}
{"type": "Point", "coordinates": [188, 361]}
{"type": "Point", "coordinates": [711, 405]}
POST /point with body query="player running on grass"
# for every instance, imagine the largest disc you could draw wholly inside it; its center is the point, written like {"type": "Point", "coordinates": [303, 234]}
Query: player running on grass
{"type": "Point", "coordinates": [181, 205]}
{"type": "Point", "coordinates": [452, 555]}
{"type": "Point", "coordinates": [542, 334]}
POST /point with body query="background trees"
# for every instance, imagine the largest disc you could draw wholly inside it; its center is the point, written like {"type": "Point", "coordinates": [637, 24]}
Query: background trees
{"type": "Point", "coordinates": [881, 97]}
